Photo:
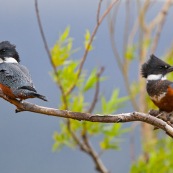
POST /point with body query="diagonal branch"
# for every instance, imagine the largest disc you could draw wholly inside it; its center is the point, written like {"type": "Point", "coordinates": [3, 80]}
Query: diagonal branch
{"type": "Point", "coordinates": [159, 20]}
{"type": "Point", "coordinates": [48, 53]}
{"type": "Point", "coordinates": [90, 42]}
{"type": "Point", "coordinates": [95, 99]}
{"type": "Point", "coordinates": [99, 165]}
{"type": "Point", "coordinates": [123, 65]}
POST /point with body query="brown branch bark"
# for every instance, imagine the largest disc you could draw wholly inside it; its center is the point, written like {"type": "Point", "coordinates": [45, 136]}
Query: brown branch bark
{"type": "Point", "coordinates": [118, 118]}
{"type": "Point", "coordinates": [99, 165]}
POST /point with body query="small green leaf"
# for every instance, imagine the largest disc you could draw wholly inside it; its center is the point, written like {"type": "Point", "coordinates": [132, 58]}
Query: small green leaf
{"type": "Point", "coordinates": [87, 35]}
{"type": "Point", "coordinates": [114, 103]}
{"type": "Point", "coordinates": [87, 40]}
{"type": "Point", "coordinates": [77, 103]}
{"type": "Point", "coordinates": [92, 79]}
{"type": "Point", "coordinates": [130, 52]}
{"type": "Point", "coordinates": [65, 34]}
{"type": "Point", "coordinates": [109, 143]}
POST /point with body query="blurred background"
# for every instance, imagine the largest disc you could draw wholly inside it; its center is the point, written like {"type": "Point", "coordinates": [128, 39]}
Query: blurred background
{"type": "Point", "coordinates": [26, 138]}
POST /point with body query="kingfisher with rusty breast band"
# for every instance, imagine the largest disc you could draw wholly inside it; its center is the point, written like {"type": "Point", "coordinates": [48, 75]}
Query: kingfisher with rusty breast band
{"type": "Point", "coordinates": [158, 87]}
{"type": "Point", "coordinates": [15, 79]}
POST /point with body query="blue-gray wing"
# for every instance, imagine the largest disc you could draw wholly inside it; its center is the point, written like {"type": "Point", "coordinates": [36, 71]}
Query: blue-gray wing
{"type": "Point", "coordinates": [15, 76]}
{"type": "Point", "coordinates": [26, 72]}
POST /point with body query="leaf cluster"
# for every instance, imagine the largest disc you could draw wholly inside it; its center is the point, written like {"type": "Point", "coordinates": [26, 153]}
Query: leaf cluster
{"type": "Point", "coordinates": [160, 159]}
{"type": "Point", "coordinates": [85, 84]}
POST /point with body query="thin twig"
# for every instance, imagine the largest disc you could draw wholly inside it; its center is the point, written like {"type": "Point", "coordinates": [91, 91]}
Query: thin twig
{"type": "Point", "coordinates": [48, 53]}
{"type": "Point", "coordinates": [92, 106]}
{"type": "Point", "coordinates": [123, 66]}
{"type": "Point", "coordinates": [112, 22]}
{"type": "Point", "coordinates": [159, 20]}
{"type": "Point", "coordinates": [133, 32]}
{"type": "Point", "coordinates": [142, 15]}
{"type": "Point", "coordinates": [126, 29]}
{"type": "Point", "coordinates": [161, 15]}
{"type": "Point", "coordinates": [89, 44]}
{"type": "Point", "coordinates": [42, 34]}
{"type": "Point", "coordinates": [98, 11]}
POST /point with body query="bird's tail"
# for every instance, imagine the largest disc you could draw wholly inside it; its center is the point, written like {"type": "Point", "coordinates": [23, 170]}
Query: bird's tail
{"type": "Point", "coordinates": [28, 92]}
{"type": "Point", "coordinates": [40, 96]}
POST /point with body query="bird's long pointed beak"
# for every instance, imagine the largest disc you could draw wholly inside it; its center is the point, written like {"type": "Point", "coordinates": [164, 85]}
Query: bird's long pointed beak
{"type": "Point", "coordinates": [170, 69]}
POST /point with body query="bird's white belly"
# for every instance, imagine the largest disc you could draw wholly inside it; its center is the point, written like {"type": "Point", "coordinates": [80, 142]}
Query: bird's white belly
{"type": "Point", "coordinates": [158, 98]}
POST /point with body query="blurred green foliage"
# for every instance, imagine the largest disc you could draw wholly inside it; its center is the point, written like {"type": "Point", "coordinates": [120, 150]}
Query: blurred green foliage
{"type": "Point", "coordinates": [160, 158]}
{"type": "Point", "coordinates": [67, 74]}
{"type": "Point", "coordinates": [67, 66]}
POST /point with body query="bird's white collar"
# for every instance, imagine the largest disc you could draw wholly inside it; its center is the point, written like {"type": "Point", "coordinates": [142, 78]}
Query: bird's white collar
{"type": "Point", "coordinates": [156, 77]}
{"type": "Point", "coordinates": [8, 60]}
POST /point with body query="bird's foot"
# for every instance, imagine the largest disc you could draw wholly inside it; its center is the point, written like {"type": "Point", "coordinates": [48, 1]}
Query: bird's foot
{"type": "Point", "coordinates": [154, 113]}
{"type": "Point", "coordinates": [165, 116]}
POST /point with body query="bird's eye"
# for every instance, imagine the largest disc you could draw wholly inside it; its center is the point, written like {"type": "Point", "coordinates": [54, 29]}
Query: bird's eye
{"type": "Point", "coordinates": [164, 67]}
{"type": "Point", "coordinates": [3, 50]}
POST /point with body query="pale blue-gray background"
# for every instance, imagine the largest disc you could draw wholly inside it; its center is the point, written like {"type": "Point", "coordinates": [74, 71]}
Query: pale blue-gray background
{"type": "Point", "coordinates": [26, 138]}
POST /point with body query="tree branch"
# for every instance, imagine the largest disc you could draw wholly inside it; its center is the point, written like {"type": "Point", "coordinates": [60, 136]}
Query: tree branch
{"type": "Point", "coordinates": [48, 53]}
{"type": "Point", "coordinates": [95, 99]}
{"type": "Point", "coordinates": [160, 20]}
{"type": "Point", "coordinates": [123, 65]}
{"type": "Point", "coordinates": [90, 41]}
{"type": "Point", "coordinates": [118, 118]}
{"type": "Point", "coordinates": [99, 165]}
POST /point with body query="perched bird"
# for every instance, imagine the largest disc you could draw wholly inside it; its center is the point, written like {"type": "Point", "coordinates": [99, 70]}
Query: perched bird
{"type": "Point", "coordinates": [158, 87]}
{"type": "Point", "coordinates": [15, 80]}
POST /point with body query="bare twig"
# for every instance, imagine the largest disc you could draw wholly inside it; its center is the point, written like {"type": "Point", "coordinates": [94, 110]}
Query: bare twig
{"type": "Point", "coordinates": [123, 65]}
{"type": "Point", "coordinates": [49, 55]}
{"type": "Point", "coordinates": [92, 106]}
{"type": "Point", "coordinates": [98, 11]}
{"type": "Point", "coordinates": [42, 34]}
{"type": "Point", "coordinates": [142, 15]}
{"type": "Point", "coordinates": [159, 20]}
{"type": "Point", "coordinates": [161, 15]}
{"type": "Point", "coordinates": [133, 32]}
{"type": "Point", "coordinates": [126, 29]}
{"type": "Point", "coordinates": [112, 21]}
{"type": "Point", "coordinates": [89, 44]}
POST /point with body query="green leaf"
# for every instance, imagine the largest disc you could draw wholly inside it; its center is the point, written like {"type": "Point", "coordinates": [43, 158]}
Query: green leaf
{"type": "Point", "coordinates": [77, 103]}
{"type": "Point", "coordinates": [109, 143]}
{"type": "Point", "coordinates": [87, 40]}
{"type": "Point", "coordinates": [96, 129]}
{"type": "Point", "coordinates": [160, 158]}
{"type": "Point", "coordinates": [114, 103]}
{"type": "Point", "coordinates": [130, 52]}
{"type": "Point", "coordinates": [65, 34]}
{"type": "Point", "coordinates": [62, 50]}
{"type": "Point", "coordinates": [92, 79]}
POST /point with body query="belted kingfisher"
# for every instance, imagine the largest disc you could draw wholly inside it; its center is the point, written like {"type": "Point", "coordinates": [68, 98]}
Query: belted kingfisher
{"type": "Point", "coordinates": [158, 87]}
{"type": "Point", "coordinates": [15, 80]}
